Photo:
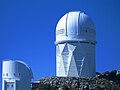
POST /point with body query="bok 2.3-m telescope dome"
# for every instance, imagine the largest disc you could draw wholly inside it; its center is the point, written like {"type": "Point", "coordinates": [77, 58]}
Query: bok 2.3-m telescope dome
{"type": "Point", "coordinates": [75, 45]}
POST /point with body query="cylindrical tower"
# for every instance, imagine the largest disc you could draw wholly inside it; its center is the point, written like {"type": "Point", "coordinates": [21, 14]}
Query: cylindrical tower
{"type": "Point", "coordinates": [75, 45]}
{"type": "Point", "coordinates": [16, 75]}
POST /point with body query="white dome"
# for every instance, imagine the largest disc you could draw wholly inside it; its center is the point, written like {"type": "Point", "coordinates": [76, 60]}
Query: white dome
{"type": "Point", "coordinates": [75, 26]}
{"type": "Point", "coordinates": [16, 69]}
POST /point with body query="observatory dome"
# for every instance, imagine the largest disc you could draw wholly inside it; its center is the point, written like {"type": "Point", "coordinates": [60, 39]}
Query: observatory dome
{"type": "Point", "coordinates": [75, 26]}
{"type": "Point", "coordinates": [16, 69]}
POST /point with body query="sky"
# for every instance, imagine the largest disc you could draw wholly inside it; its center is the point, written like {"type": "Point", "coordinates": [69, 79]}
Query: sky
{"type": "Point", "coordinates": [27, 32]}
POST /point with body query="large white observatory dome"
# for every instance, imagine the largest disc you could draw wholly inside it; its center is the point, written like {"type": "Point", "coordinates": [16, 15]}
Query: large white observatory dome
{"type": "Point", "coordinates": [75, 26]}
{"type": "Point", "coordinates": [75, 45]}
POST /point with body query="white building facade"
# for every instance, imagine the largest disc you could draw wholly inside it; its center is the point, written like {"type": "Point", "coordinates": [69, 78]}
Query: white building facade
{"type": "Point", "coordinates": [16, 75]}
{"type": "Point", "coordinates": [75, 46]}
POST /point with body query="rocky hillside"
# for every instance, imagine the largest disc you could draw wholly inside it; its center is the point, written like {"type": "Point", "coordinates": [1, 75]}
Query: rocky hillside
{"type": "Point", "coordinates": [104, 81]}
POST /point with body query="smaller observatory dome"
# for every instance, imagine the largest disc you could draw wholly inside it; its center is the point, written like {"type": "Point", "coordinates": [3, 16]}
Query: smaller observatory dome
{"type": "Point", "coordinates": [16, 69]}
{"type": "Point", "coordinates": [16, 75]}
{"type": "Point", "coordinates": [75, 26]}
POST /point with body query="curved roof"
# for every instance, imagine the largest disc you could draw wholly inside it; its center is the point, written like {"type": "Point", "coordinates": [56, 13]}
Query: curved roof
{"type": "Point", "coordinates": [26, 66]}
{"type": "Point", "coordinates": [19, 68]}
{"type": "Point", "coordinates": [74, 24]}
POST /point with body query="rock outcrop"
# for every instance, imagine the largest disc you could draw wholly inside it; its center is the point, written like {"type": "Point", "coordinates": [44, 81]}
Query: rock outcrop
{"type": "Point", "coordinates": [102, 81]}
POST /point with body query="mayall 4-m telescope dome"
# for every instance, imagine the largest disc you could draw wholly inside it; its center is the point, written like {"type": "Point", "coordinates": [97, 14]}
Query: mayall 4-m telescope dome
{"type": "Point", "coordinates": [75, 45]}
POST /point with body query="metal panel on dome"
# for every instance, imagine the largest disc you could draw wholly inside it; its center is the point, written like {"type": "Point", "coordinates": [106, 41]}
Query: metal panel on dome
{"type": "Point", "coordinates": [72, 23]}
{"type": "Point", "coordinates": [61, 26]}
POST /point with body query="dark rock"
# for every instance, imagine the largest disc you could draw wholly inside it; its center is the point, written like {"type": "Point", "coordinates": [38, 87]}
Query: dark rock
{"type": "Point", "coordinates": [105, 81]}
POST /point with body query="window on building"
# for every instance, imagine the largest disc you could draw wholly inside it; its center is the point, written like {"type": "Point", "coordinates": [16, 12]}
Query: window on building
{"type": "Point", "coordinates": [3, 74]}
{"type": "Point", "coordinates": [6, 74]}
{"type": "Point", "coordinates": [7, 85]}
{"type": "Point", "coordinates": [14, 74]}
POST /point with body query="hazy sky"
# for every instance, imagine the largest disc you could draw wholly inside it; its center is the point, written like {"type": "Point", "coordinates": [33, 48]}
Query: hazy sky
{"type": "Point", "coordinates": [27, 32]}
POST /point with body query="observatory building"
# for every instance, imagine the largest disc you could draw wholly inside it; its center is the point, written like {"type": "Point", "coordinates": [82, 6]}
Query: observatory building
{"type": "Point", "coordinates": [75, 46]}
{"type": "Point", "coordinates": [16, 75]}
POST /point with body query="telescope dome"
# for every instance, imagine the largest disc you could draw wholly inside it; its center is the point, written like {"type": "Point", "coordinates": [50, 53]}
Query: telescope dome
{"type": "Point", "coordinates": [75, 26]}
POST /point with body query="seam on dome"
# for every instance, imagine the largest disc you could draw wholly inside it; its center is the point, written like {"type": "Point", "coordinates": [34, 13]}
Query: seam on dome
{"type": "Point", "coordinates": [78, 24]}
{"type": "Point", "coordinates": [66, 24]}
